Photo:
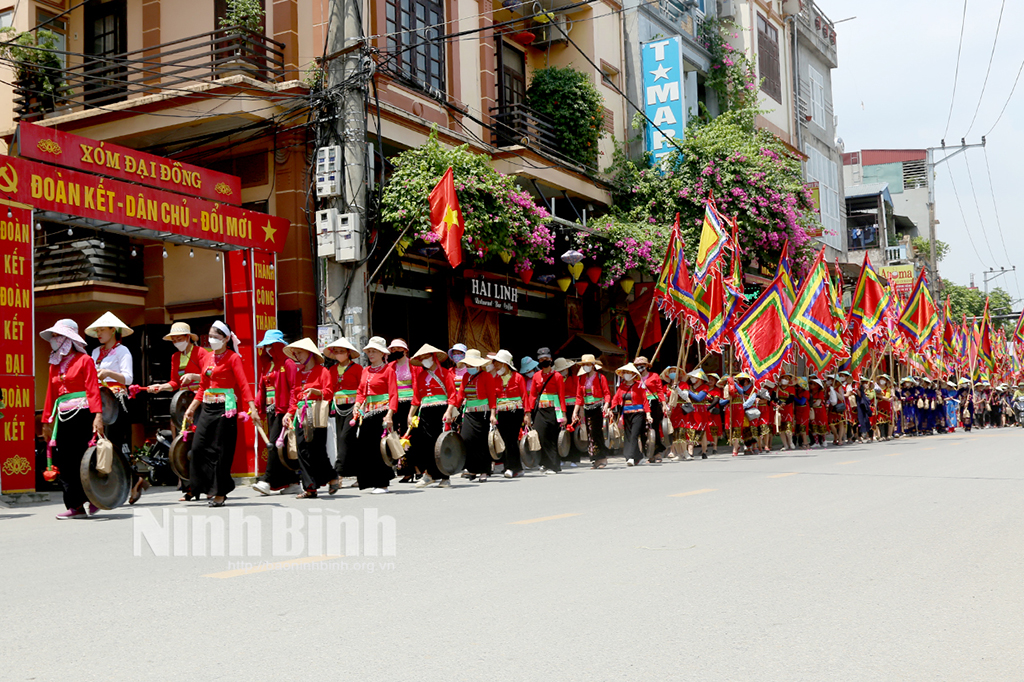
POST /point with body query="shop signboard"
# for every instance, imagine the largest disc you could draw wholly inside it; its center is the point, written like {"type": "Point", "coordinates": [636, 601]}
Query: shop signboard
{"type": "Point", "coordinates": [91, 196]}
{"type": "Point", "coordinates": [17, 382]}
{"type": "Point", "coordinates": [901, 277]}
{"type": "Point", "coordinates": [664, 94]}
{"type": "Point", "coordinates": [81, 153]}
{"type": "Point", "coordinates": [491, 292]}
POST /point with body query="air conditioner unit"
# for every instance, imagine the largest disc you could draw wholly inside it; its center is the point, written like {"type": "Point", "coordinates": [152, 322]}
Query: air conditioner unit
{"type": "Point", "coordinates": [792, 6]}
{"type": "Point", "coordinates": [727, 9]}
{"type": "Point", "coordinates": [550, 32]}
{"type": "Point", "coordinates": [328, 171]}
{"type": "Point", "coordinates": [326, 232]}
{"type": "Point", "coordinates": [348, 244]}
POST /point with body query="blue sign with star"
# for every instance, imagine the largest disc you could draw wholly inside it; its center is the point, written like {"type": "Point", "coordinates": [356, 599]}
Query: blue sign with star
{"type": "Point", "coordinates": [664, 95]}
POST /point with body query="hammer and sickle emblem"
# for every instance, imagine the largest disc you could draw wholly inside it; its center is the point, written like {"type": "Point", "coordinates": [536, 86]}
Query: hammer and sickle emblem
{"type": "Point", "coordinates": [8, 179]}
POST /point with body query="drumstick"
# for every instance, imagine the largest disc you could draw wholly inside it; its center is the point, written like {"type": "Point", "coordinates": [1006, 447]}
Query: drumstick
{"type": "Point", "coordinates": [263, 434]}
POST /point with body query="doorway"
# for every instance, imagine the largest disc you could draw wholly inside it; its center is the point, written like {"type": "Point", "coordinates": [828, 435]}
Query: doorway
{"type": "Point", "coordinates": [106, 41]}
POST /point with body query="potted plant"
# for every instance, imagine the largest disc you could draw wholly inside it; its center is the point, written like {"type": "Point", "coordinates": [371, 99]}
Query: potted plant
{"type": "Point", "coordinates": [39, 72]}
{"type": "Point", "coordinates": [241, 24]}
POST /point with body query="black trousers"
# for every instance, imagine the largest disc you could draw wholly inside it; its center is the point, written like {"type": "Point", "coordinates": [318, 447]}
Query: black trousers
{"type": "Point", "coordinates": [371, 471]}
{"type": "Point", "coordinates": [277, 474]}
{"type": "Point", "coordinates": [634, 431]}
{"type": "Point", "coordinates": [401, 420]}
{"type": "Point", "coordinates": [424, 437]}
{"type": "Point", "coordinates": [314, 464]}
{"type": "Point", "coordinates": [345, 434]}
{"type": "Point", "coordinates": [510, 423]}
{"type": "Point", "coordinates": [657, 414]}
{"type": "Point", "coordinates": [212, 452]}
{"type": "Point", "coordinates": [475, 426]}
{"type": "Point", "coordinates": [545, 421]}
{"type": "Point", "coordinates": [595, 433]}
{"type": "Point", "coordinates": [575, 454]}
{"type": "Point", "coordinates": [120, 435]}
{"type": "Point", "coordinates": [73, 438]}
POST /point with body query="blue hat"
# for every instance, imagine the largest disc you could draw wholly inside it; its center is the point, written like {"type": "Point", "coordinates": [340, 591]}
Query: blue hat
{"type": "Point", "coordinates": [271, 337]}
{"type": "Point", "coordinates": [527, 364]}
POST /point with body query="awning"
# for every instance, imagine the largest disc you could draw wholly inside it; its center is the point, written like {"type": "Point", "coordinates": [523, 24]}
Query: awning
{"type": "Point", "coordinates": [601, 344]}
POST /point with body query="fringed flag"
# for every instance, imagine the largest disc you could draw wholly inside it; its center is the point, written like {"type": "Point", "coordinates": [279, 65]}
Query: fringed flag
{"type": "Point", "coordinates": [813, 320]}
{"type": "Point", "coordinates": [870, 300]}
{"type": "Point", "coordinates": [713, 241]}
{"type": "Point", "coordinates": [785, 270]}
{"type": "Point", "coordinates": [822, 361]}
{"type": "Point", "coordinates": [918, 320]}
{"type": "Point", "coordinates": [762, 336]}
{"type": "Point", "coordinates": [985, 351]}
{"type": "Point", "coordinates": [674, 290]}
{"type": "Point", "coordinates": [734, 295]}
{"type": "Point", "coordinates": [710, 303]}
{"type": "Point", "coordinates": [949, 335]}
{"type": "Point", "coordinates": [1018, 333]}
{"type": "Point", "coordinates": [860, 349]}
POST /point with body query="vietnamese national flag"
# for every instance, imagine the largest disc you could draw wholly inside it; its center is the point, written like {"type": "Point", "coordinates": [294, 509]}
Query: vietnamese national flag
{"type": "Point", "coordinates": [446, 217]}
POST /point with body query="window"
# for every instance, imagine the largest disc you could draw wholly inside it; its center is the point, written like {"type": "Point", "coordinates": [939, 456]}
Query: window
{"type": "Point", "coordinates": [823, 170]}
{"type": "Point", "coordinates": [768, 59]}
{"type": "Point", "coordinates": [817, 96]}
{"type": "Point", "coordinates": [48, 21]}
{"type": "Point", "coordinates": [7, 18]}
{"type": "Point", "coordinates": [414, 30]}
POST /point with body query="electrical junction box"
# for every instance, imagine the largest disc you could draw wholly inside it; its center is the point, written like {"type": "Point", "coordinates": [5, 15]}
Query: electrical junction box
{"type": "Point", "coordinates": [326, 232]}
{"type": "Point", "coordinates": [328, 171]}
{"type": "Point", "coordinates": [349, 238]}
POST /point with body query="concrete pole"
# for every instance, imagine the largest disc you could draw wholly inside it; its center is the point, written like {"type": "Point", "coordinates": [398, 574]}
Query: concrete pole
{"type": "Point", "coordinates": [349, 310]}
{"type": "Point", "coordinates": [933, 278]}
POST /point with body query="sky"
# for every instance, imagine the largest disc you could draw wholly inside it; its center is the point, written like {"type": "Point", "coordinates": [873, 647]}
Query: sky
{"type": "Point", "coordinates": [893, 89]}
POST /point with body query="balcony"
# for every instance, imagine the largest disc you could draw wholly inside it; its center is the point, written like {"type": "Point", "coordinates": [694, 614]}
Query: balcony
{"type": "Point", "coordinates": [85, 256]}
{"type": "Point", "coordinates": [519, 125]}
{"type": "Point", "coordinates": [817, 31]}
{"type": "Point", "coordinates": [177, 65]}
{"type": "Point", "coordinates": [679, 14]}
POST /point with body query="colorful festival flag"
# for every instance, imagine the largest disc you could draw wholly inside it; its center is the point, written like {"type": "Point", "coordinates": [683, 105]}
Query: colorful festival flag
{"type": "Point", "coordinates": [674, 290]}
{"type": "Point", "coordinates": [985, 352]}
{"type": "Point", "coordinates": [1018, 333]}
{"type": "Point", "coordinates": [870, 300]}
{"type": "Point", "coordinates": [918, 320]}
{"type": "Point", "coordinates": [762, 336]}
{"type": "Point", "coordinates": [446, 217]}
{"type": "Point", "coordinates": [813, 310]}
{"type": "Point", "coordinates": [860, 349]}
{"type": "Point", "coordinates": [734, 294]}
{"type": "Point", "coordinates": [713, 240]}
{"type": "Point", "coordinates": [785, 269]}
{"type": "Point", "coordinates": [949, 335]}
{"type": "Point", "coordinates": [710, 303]}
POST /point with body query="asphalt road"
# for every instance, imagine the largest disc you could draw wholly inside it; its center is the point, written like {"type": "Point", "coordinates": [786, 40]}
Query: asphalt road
{"type": "Point", "coordinates": [897, 561]}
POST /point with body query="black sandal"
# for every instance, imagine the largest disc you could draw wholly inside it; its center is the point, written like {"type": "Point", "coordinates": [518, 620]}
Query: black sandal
{"type": "Point", "coordinates": [306, 495]}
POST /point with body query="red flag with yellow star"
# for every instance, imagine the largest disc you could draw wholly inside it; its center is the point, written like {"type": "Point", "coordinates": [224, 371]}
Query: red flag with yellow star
{"type": "Point", "coordinates": [446, 217]}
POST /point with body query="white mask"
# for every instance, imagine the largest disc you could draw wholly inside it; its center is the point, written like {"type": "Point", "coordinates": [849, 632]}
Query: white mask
{"type": "Point", "coordinates": [428, 362]}
{"type": "Point", "coordinates": [502, 369]}
{"type": "Point", "coordinates": [181, 345]}
{"type": "Point", "coordinates": [56, 342]}
{"type": "Point", "coordinates": [216, 344]}
{"type": "Point", "coordinates": [588, 368]}
{"type": "Point", "coordinates": [490, 367]}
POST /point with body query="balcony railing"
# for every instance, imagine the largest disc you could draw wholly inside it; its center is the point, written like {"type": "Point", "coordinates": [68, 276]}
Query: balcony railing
{"type": "Point", "coordinates": [893, 253]}
{"type": "Point", "coordinates": [519, 125]}
{"type": "Point", "coordinates": [863, 237]}
{"type": "Point", "coordinates": [103, 80]}
{"type": "Point", "coordinates": [823, 32]}
{"type": "Point", "coordinates": [85, 257]}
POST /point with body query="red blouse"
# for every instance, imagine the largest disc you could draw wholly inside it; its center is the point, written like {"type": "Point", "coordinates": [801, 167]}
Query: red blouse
{"type": "Point", "coordinates": [380, 382]}
{"type": "Point", "coordinates": [197, 360]}
{"type": "Point", "coordinates": [317, 377]}
{"type": "Point", "coordinates": [554, 387]}
{"type": "Point", "coordinates": [570, 385]}
{"type": "Point", "coordinates": [226, 371]}
{"type": "Point", "coordinates": [441, 383]}
{"type": "Point", "coordinates": [514, 388]}
{"type": "Point", "coordinates": [280, 377]}
{"type": "Point", "coordinates": [632, 394]}
{"type": "Point", "coordinates": [598, 388]}
{"type": "Point", "coordinates": [79, 376]}
{"type": "Point", "coordinates": [655, 386]}
{"type": "Point", "coordinates": [479, 386]}
{"type": "Point", "coordinates": [349, 381]}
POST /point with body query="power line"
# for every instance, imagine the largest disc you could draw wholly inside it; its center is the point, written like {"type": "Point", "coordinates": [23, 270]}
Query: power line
{"type": "Point", "coordinates": [956, 73]}
{"type": "Point", "coordinates": [1008, 98]}
{"type": "Point", "coordinates": [977, 206]}
{"type": "Point", "coordinates": [964, 216]}
{"type": "Point", "coordinates": [991, 55]}
{"type": "Point", "coordinates": [999, 223]}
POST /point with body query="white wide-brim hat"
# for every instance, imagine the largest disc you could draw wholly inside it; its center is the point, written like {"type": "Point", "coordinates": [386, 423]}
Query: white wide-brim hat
{"type": "Point", "coordinates": [376, 343]}
{"type": "Point", "coordinates": [67, 328]}
{"type": "Point", "coordinates": [504, 357]}
{"type": "Point", "coordinates": [181, 329]}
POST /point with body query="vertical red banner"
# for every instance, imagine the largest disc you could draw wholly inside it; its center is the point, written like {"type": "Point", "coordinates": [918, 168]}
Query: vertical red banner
{"type": "Point", "coordinates": [240, 315]}
{"type": "Point", "coordinates": [265, 294]}
{"type": "Point", "coordinates": [17, 383]}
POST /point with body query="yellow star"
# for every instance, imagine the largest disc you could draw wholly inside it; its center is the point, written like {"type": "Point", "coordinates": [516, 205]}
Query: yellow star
{"type": "Point", "coordinates": [268, 232]}
{"type": "Point", "coordinates": [451, 218]}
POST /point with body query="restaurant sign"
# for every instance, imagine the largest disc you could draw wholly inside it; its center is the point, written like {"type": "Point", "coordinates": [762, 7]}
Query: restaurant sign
{"type": "Point", "coordinates": [491, 292]}
{"type": "Point", "coordinates": [81, 153]}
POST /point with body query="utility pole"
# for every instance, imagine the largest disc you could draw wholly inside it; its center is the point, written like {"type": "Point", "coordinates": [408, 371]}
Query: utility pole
{"type": "Point", "coordinates": [995, 273]}
{"type": "Point", "coordinates": [346, 300]}
{"type": "Point", "coordinates": [931, 163]}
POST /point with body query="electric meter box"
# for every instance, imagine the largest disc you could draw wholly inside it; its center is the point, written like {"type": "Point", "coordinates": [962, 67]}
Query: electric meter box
{"type": "Point", "coordinates": [326, 232]}
{"type": "Point", "coordinates": [349, 240]}
{"type": "Point", "coordinates": [328, 172]}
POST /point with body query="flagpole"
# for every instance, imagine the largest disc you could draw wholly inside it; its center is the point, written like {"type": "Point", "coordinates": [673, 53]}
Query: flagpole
{"type": "Point", "coordinates": [647, 321]}
{"type": "Point", "coordinates": [664, 334]}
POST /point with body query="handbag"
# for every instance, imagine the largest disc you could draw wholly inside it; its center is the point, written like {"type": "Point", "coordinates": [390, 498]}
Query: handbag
{"type": "Point", "coordinates": [104, 456]}
{"type": "Point", "coordinates": [292, 443]}
{"type": "Point", "coordinates": [321, 413]}
{"type": "Point", "coordinates": [753, 414]}
{"type": "Point", "coordinates": [533, 440]}
{"type": "Point", "coordinates": [920, 404]}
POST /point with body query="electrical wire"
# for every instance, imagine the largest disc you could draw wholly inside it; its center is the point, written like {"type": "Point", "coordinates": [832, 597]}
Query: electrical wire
{"type": "Point", "coordinates": [977, 207]}
{"type": "Point", "coordinates": [999, 224]}
{"type": "Point", "coordinates": [1008, 98]}
{"type": "Point", "coordinates": [967, 227]}
{"type": "Point", "coordinates": [988, 69]}
{"type": "Point", "coordinates": [956, 72]}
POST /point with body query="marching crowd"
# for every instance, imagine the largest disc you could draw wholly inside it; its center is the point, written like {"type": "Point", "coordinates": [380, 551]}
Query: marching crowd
{"type": "Point", "coordinates": [321, 424]}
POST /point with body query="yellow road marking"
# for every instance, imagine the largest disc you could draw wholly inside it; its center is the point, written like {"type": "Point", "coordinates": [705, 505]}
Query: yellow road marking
{"type": "Point", "coordinates": [893, 454]}
{"type": "Point", "coordinates": [931, 448]}
{"type": "Point", "coordinates": [791, 473]}
{"type": "Point", "coordinates": [695, 492]}
{"type": "Point", "coordinates": [543, 518]}
{"type": "Point", "coordinates": [852, 461]}
{"type": "Point", "coordinates": [263, 566]}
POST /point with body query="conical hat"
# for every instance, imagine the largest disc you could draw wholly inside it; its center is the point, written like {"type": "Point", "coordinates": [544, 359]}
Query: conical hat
{"type": "Point", "coordinates": [108, 319]}
{"type": "Point", "coordinates": [628, 367]}
{"type": "Point", "coordinates": [305, 344]}
{"type": "Point", "coordinates": [340, 345]}
{"type": "Point", "coordinates": [473, 359]}
{"type": "Point", "coordinates": [425, 350]}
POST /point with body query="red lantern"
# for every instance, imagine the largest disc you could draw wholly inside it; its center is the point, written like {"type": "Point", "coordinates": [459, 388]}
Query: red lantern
{"type": "Point", "coordinates": [526, 276]}
{"type": "Point", "coordinates": [594, 273]}
{"type": "Point", "coordinates": [524, 37]}
{"type": "Point", "coordinates": [581, 287]}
